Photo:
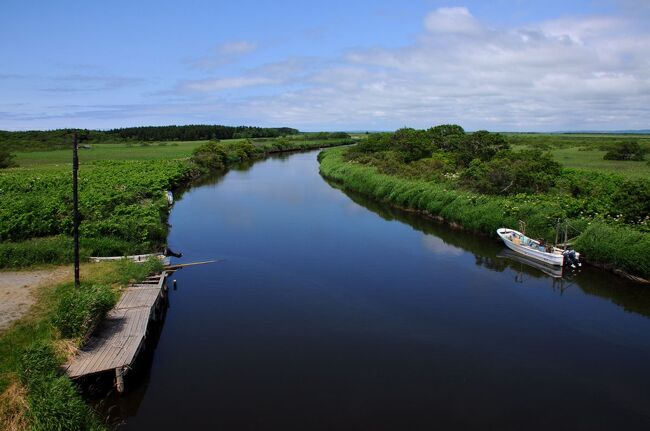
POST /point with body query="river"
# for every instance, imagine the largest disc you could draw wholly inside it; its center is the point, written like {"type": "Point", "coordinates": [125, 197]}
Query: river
{"type": "Point", "coordinates": [332, 312]}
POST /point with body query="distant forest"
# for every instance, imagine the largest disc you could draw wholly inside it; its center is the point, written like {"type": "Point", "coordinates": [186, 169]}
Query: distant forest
{"type": "Point", "coordinates": [61, 138]}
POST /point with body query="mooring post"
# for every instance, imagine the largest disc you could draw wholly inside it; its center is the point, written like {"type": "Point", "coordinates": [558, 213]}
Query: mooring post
{"type": "Point", "coordinates": [119, 380]}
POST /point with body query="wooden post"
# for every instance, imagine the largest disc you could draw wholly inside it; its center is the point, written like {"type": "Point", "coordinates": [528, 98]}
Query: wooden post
{"type": "Point", "coordinates": [119, 380]}
{"type": "Point", "coordinates": [75, 205]}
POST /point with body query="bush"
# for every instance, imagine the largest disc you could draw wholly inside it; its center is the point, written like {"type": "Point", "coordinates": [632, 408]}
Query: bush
{"type": "Point", "coordinates": [628, 150]}
{"type": "Point", "coordinates": [529, 171]}
{"type": "Point", "coordinates": [481, 145]}
{"type": "Point", "coordinates": [6, 158]}
{"type": "Point", "coordinates": [631, 201]}
{"type": "Point", "coordinates": [79, 309]}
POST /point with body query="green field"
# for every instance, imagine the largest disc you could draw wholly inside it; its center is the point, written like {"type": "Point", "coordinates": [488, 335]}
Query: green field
{"type": "Point", "coordinates": [164, 150]}
{"type": "Point", "coordinates": [586, 151]}
{"type": "Point", "coordinates": [592, 159]}
{"type": "Point", "coordinates": [121, 151]}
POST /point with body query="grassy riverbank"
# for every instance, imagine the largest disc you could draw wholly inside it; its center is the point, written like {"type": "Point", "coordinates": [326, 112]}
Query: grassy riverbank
{"type": "Point", "coordinates": [122, 200]}
{"type": "Point", "coordinates": [607, 241]}
{"type": "Point", "coordinates": [34, 394]}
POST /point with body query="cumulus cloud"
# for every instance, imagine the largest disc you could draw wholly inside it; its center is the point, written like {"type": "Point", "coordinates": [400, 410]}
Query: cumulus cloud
{"type": "Point", "coordinates": [588, 72]}
{"type": "Point", "coordinates": [569, 73]}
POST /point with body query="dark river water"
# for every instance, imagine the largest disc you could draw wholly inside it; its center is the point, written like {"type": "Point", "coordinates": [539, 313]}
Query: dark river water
{"type": "Point", "coordinates": [332, 312]}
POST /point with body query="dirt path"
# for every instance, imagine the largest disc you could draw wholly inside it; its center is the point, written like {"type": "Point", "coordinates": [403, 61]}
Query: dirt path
{"type": "Point", "coordinates": [17, 290]}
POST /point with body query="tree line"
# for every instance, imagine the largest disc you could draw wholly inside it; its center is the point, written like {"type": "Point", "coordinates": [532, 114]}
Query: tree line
{"type": "Point", "coordinates": [61, 138]}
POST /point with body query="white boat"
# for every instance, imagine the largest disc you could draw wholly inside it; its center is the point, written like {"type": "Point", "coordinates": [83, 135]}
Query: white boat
{"type": "Point", "coordinates": [531, 248]}
{"type": "Point", "coordinates": [170, 197]}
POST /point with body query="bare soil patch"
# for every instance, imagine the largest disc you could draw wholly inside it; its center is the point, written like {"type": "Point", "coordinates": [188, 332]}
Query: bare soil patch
{"type": "Point", "coordinates": [18, 288]}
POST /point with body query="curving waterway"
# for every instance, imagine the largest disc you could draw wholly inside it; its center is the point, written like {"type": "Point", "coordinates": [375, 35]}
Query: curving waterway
{"type": "Point", "coordinates": [332, 312]}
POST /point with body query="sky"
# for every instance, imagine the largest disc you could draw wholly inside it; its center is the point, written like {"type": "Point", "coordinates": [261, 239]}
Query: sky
{"type": "Point", "coordinates": [326, 65]}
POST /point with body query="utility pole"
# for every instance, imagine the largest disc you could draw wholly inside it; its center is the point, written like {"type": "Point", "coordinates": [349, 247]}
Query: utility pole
{"type": "Point", "coordinates": [75, 205]}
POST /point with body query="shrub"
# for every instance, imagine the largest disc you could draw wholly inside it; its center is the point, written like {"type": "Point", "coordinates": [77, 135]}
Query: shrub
{"type": "Point", "coordinates": [632, 201]}
{"type": "Point", "coordinates": [6, 158]}
{"type": "Point", "coordinates": [628, 150]}
{"type": "Point", "coordinates": [481, 145]}
{"type": "Point", "coordinates": [529, 171]}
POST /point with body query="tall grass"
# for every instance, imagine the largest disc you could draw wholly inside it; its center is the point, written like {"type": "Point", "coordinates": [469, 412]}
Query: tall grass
{"type": "Point", "coordinates": [54, 403]}
{"type": "Point", "coordinates": [485, 214]}
{"type": "Point", "coordinates": [617, 246]}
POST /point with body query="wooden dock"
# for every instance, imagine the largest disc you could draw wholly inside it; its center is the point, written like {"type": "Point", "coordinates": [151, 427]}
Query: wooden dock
{"type": "Point", "coordinates": [120, 337]}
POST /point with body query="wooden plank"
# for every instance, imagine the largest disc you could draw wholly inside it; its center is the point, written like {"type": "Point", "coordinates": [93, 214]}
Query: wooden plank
{"type": "Point", "coordinates": [121, 335]}
{"type": "Point", "coordinates": [134, 298]}
{"type": "Point", "coordinates": [115, 345]}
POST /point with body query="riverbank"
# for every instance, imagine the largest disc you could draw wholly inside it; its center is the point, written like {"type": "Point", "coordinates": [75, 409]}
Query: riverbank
{"type": "Point", "coordinates": [123, 204]}
{"type": "Point", "coordinates": [613, 247]}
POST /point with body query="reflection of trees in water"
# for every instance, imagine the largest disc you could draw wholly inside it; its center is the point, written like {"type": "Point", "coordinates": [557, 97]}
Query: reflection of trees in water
{"type": "Point", "coordinates": [631, 296]}
{"type": "Point", "coordinates": [211, 179]}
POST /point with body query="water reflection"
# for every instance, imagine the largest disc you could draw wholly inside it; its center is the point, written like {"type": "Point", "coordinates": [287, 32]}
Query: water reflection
{"type": "Point", "coordinates": [491, 254]}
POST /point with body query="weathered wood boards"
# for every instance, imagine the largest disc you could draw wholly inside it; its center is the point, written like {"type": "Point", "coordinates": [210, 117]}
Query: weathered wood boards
{"type": "Point", "coordinates": [117, 341]}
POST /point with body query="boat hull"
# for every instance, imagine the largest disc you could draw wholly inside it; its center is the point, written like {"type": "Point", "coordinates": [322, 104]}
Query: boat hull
{"type": "Point", "coordinates": [555, 259]}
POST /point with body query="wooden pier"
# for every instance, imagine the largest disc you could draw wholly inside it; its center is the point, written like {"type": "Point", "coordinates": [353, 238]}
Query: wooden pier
{"type": "Point", "coordinates": [120, 337]}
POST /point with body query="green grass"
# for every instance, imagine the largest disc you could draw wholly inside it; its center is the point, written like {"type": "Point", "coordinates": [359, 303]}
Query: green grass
{"type": "Point", "coordinates": [578, 158]}
{"type": "Point", "coordinates": [586, 151]}
{"type": "Point", "coordinates": [151, 151]}
{"type": "Point", "coordinates": [163, 150]}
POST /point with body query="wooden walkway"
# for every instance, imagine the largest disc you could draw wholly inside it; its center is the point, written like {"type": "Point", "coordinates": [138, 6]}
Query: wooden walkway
{"type": "Point", "coordinates": [117, 341]}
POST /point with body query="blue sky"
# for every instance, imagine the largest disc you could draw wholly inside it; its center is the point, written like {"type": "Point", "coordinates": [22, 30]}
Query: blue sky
{"type": "Point", "coordinates": [330, 65]}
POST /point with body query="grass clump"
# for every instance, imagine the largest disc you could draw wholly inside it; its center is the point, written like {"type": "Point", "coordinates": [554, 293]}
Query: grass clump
{"type": "Point", "coordinates": [54, 403]}
{"type": "Point", "coordinates": [78, 310]}
{"type": "Point", "coordinates": [617, 246]}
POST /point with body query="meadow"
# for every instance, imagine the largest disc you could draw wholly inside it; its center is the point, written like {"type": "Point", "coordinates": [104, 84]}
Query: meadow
{"type": "Point", "coordinates": [586, 151]}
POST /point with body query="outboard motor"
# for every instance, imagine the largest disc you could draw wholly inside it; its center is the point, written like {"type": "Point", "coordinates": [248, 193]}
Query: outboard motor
{"type": "Point", "coordinates": [570, 259]}
{"type": "Point", "coordinates": [168, 252]}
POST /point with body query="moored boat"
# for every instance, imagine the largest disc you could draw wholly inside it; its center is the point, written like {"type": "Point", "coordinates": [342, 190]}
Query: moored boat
{"type": "Point", "coordinates": [533, 249]}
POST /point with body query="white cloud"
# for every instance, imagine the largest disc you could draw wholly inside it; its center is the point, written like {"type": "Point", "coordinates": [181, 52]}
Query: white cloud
{"type": "Point", "coordinates": [573, 73]}
{"type": "Point", "coordinates": [451, 20]}
{"type": "Point", "coordinates": [570, 73]}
